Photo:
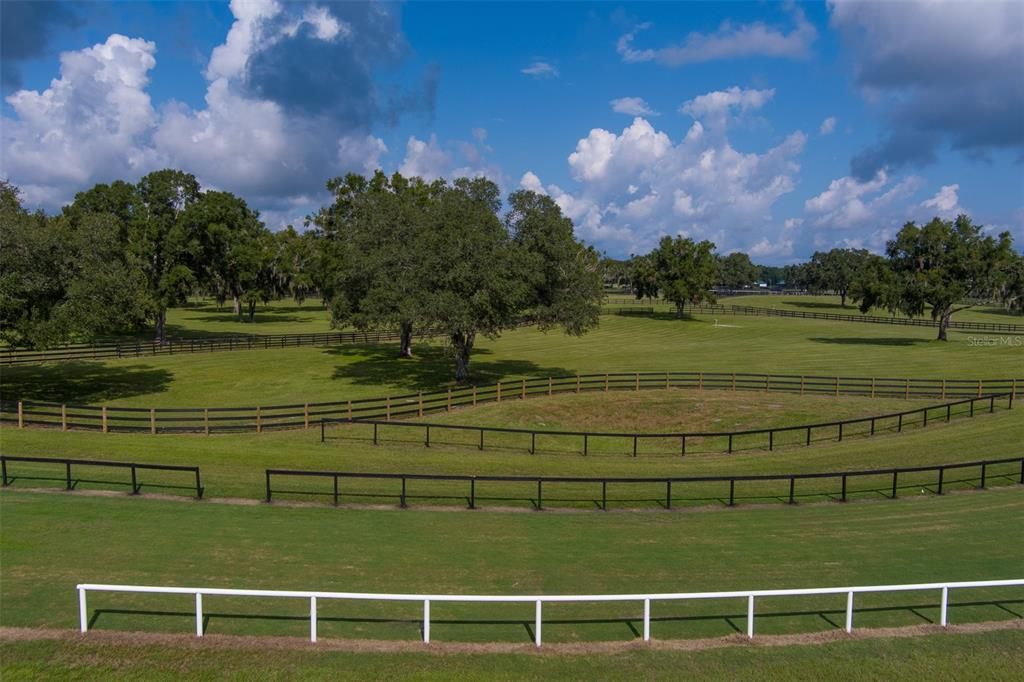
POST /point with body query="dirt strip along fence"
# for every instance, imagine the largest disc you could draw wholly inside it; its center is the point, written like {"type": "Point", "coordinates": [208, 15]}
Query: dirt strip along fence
{"type": "Point", "coordinates": [722, 309]}
{"type": "Point", "coordinates": [682, 443]}
{"type": "Point", "coordinates": [70, 481]}
{"type": "Point", "coordinates": [140, 349]}
{"type": "Point", "coordinates": [640, 491]}
{"type": "Point", "coordinates": [110, 419]}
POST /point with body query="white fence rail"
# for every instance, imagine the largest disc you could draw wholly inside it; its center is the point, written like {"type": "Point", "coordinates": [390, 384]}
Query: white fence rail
{"type": "Point", "coordinates": [539, 600]}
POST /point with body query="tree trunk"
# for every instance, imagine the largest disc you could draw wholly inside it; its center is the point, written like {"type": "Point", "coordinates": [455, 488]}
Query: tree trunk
{"type": "Point", "coordinates": [463, 346]}
{"type": "Point", "coordinates": [236, 306]}
{"type": "Point", "coordinates": [161, 326]}
{"type": "Point", "coordinates": [405, 343]}
{"type": "Point", "coordinates": [252, 311]}
{"type": "Point", "coordinates": [944, 324]}
{"type": "Point", "coordinates": [679, 309]}
{"type": "Point", "coordinates": [842, 297]}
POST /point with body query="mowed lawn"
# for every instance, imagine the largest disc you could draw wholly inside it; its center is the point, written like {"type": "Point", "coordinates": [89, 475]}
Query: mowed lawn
{"type": "Point", "coordinates": [832, 304]}
{"type": "Point", "coordinates": [53, 542]}
{"type": "Point", "coordinates": [622, 343]}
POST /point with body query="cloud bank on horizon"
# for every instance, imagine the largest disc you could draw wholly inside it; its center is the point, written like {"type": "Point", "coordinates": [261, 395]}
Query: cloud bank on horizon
{"type": "Point", "coordinates": [295, 93]}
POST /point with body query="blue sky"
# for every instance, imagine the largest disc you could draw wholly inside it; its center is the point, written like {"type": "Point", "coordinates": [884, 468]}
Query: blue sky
{"type": "Point", "coordinates": [772, 128]}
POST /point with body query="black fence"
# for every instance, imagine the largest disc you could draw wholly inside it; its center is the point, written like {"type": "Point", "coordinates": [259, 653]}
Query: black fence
{"type": "Point", "coordinates": [70, 481]}
{"type": "Point", "coordinates": [303, 415]}
{"type": "Point", "coordinates": [767, 439]}
{"type": "Point", "coordinates": [138, 349]}
{"type": "Point", "coordinates": [671, 484]}
{"type": "Point", "coordinates": [722, 309]}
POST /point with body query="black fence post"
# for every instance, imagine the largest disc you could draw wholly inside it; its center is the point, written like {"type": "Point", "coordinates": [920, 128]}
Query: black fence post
{"type": "Point", "coordinates": [844, 487]}
{"type": "Point", "coordinates": [894, 475]}
{"type": "Point", "coordinates": [1022, 471]}
{"type": "Point", "coordinates": [972, 407]}
{"type": "Point", "coordinates": [732, 491]}
{"type": "Point", "coordinates": [792, 489]}
{"type": "Point", "coordinates": [991, 404]}
{"type": "Point", "coordinates": [899, 423]}
{"type": "Point", "coordinates": [322, 429]}
{"type": "Point", "coordinates": [942, 470]}
{"type": "Point", "coordinates": [924, 423]}
{"type": "Point", "coordinates": [135, 487]}
{"type": "Point", "coordinates": [730, 443]}
{"type": "Point", "coordinates": [67, 476]}
{"type": "Point", "coordinates": [426, 443]}
{"type": "Point", "coordinates": [808, 436]}
{"type": "Point", "coordinates": [872, 426]}
{"type": "Point", "coordinates": [682, 446]}
{"type": "Point", "coordinates": [481, 439]}
{"type": "Point", "coordinates": [634, 446]}
{"type": "Point", "coordinates": [268, 485]}
{"type": "Point", "coordinates": [948, 411]}
{"type": "Point", "coordinates": [604, 495]}
{"type": "Point", "coordinates": [3, 467]}
{"type": "Point", "coordinates": [533, 442]}
{"type": "Point", "coordinates": [472, 493]}
{"type": "Point", "coordinates": [402, 499]}
{"type": "Point", "coordinates": [199, 487]}
{"type": "Point", "coordinates": [374, 434]}
{"type": "Point", "coordinates": [668, 493]}
{"type": "Point", "coordinates": [540, 498]}
{"type": "Point", "coordinates": [840, 432]}
{"type": "Point", "coordinates": [982, 476]}
{"type": "Point", "coordinates": [584, 444]}
{"type": "Point", "coordinates": [335, 490]}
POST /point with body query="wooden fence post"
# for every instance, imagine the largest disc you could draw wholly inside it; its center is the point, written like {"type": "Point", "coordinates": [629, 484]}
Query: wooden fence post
{"type": "Point", "coordinates": [305, 415]}
{"type": "Point", "coordinates": [767, 383]}
{"type": "Point", "coordinates": [350, 410]}
{"type": "Point", "coordinates": [103, 417]}
{"type": "Point", "coordinates": [734, 381]}
{"type": "Point", "coordinates": [499, 392]}
{"type": "Point", "coordinates": [387, 409]}
{"type": "Point", "coordinates": [906, 390]}
{"type": "Point", "coordinates": [979, 388]}
{"type": "Point", "coordinates": [259, 420]}
{"type": "Point", "coordinates": [943, 396]}
{"type": "Point", "coordinates": [522, 391]}
{"type": "Point", "coordinates": [21, 415]}
{"type": "Point", "coordinates": [421, 403]}
{"type": "Point", "coordinates": [801, 384]}
{"type": "Point", "coordinates": [474, 395]}
{"type": "Point", "coordinates": [606, 382]}
{"type": "Point", "coordinates": [872, 387]}
{"type": "Point", "coordinates": [63, 417]}
{"type": "Point", "coordinates": [449, 409]}
{"type": "Point", "coordinates": [577, 383]}
{"type": "Point", "coordinates": [206, 420]}
{"type": "Point", "coordinates": [1013, 389]}
{"type": "Point", "coordinates": [549, 386]}
{"type": "Point", "coordinates": [837, 387]}
{"type": "Point", "coordinates": [667, 383]}
{"type": "Point", "coordinates": [152, 421]}
{"type": "Point", "coordinates": [700, 381]}
{"type": "Point", "coordinates": [636, 386]}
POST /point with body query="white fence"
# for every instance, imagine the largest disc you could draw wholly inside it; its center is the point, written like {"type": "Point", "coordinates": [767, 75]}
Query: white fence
{"type": "Point", "coordinates": [539, 600]}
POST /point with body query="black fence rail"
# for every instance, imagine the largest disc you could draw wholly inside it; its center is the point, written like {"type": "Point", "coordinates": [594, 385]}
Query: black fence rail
{"type": "Point", "coordinates": [723, 309]}
{"type": "Point", "coordinates": [748, 439]}
{"type": "Point", "coordinates": [672, 484]}
{"type": "Point", "coordinates": [70, 481]}
{"type": "Point", "coordinates": [138, 349]}
{"type": "Point", "coordinates": [109, 419]}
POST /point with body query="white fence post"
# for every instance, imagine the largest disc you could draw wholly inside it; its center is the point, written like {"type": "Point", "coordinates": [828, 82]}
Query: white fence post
{"type": "Point", "coordinates": [82, 611]}
{"type": "Point", "coordinates": [536, 625]}
{"type": "Point", "coordinates": [647, 620]}
{"type": "Point", "coordinates": [199, 614]}
{"type": "Point", "coordinates": [943, 620]}
{"type": "Point", "coordinates": [849, 611]}
{"type": "Point", "coordinates": [312, 619]}
{"type": "Point", "coordinates": [750, 617]}
{"type": "Point", "coordinates": [426, 621]}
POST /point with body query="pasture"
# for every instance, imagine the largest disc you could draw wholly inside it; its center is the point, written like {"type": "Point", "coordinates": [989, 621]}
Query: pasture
{"type": "Point", "coordinates": [52, 540]}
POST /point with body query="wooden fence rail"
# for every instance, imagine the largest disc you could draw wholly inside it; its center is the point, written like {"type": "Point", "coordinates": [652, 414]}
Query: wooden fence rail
{"type": "Point", "coordinates": [111, 419]}
{"type": "Point", "coordinates": [669, 484]}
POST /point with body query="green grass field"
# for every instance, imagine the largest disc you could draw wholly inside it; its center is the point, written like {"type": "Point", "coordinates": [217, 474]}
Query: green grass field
{"type": "Point", "coordinates": [297, 375]}
{"type": "Point", "coordinates": [832, 304]}
{"type": "Point", "coordinates": [51, 540]}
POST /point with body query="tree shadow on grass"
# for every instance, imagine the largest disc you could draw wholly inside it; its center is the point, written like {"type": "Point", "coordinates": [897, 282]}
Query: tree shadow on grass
{"type": "Point", "coordinates": [431, 368]}
{"type": "Point", "coordinates": [82, 382]}
{"type": "Point", "coordinates": [865, 341]}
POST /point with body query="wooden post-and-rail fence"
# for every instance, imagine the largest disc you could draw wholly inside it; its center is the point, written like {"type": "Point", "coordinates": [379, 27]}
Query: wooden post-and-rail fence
{"type": "Point", "coordinates": [208, 420]}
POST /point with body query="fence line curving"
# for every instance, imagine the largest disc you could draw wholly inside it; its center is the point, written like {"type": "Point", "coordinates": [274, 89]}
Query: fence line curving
{"type": "Point", "coordinates": [670, 484]}
{"type": "Point", "coordinates": [769, 438]}
{"type": "Point", "coordinates": [538, 601]}
{"type": "Point", "coordinates": [208, 420]}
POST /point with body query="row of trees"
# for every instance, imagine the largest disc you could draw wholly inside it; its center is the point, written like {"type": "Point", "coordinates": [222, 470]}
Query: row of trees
{"type": "Point", "coordinates": [941, 267]}
{"type": "Point", "coordinates": [389, 252]}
